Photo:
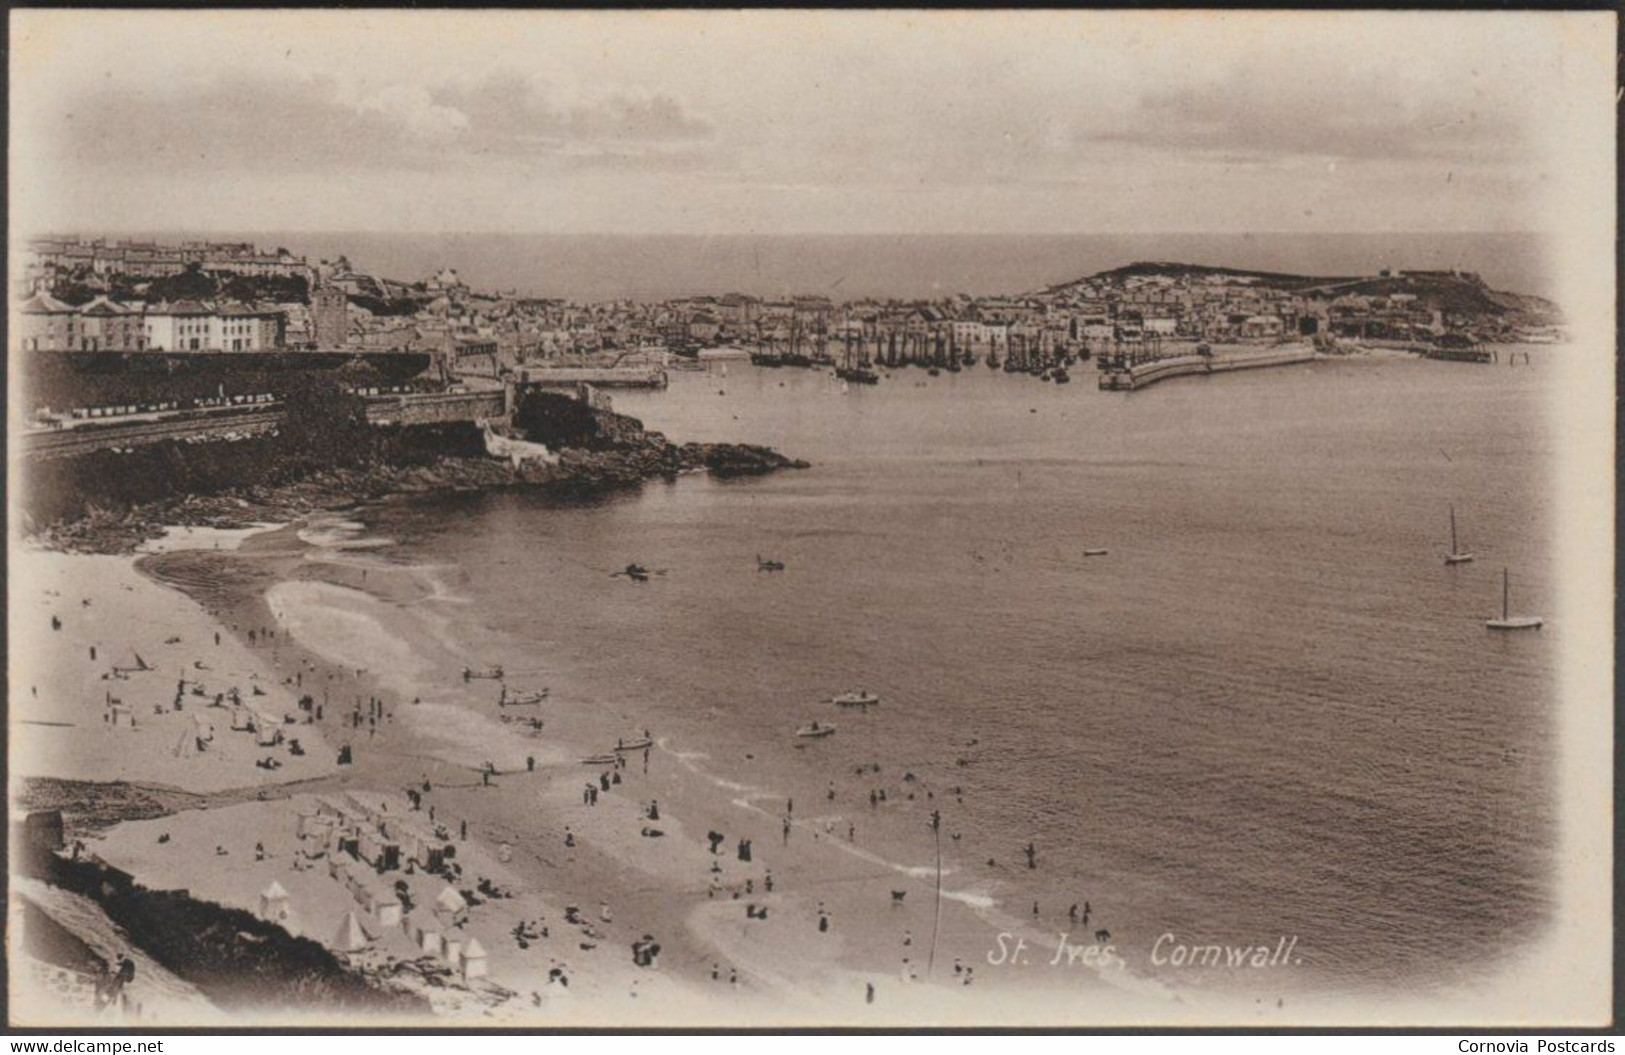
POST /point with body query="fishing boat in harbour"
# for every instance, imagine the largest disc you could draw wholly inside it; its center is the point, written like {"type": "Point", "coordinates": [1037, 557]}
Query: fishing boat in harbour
{"type": "Point", "coordinates": [486, 674]}
{"type": "Point", "coordinates": [856, 369]}
{"type": "Point", "coordinates": [855, 699]}
{"type": "Point", "coordinates": [521, 699]}
{"type": "Point", "coordinates": [768, 565]}
{"type": "Point", "coordinates": [1509, 621]}
{"type": "Point", "coordinates": [815, 731]}
{"type": "Point", "coordinates": [1455, 556]}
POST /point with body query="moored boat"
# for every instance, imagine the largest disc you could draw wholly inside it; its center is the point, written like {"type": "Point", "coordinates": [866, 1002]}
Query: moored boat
{"type": "Point", "coordinates": [521, 699]}
{"type": "Point", "coordinates": [855, 699]}
{"type": "Point", "coordinates": [815, 731]}
{"type": "Point", "coordinates": [1507, 620]}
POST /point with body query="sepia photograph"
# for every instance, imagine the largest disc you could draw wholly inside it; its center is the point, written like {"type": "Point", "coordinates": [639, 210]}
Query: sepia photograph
{"type": "Point", "coordinates": [810, 519]}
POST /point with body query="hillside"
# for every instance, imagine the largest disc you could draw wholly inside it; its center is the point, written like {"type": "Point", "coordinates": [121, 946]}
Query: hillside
{"type": "Point", "coordinates": [1451, 292]}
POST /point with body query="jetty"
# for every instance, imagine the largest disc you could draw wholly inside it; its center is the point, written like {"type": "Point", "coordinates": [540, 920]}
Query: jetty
{"type": "Point", "coordinates": [1131, 378]}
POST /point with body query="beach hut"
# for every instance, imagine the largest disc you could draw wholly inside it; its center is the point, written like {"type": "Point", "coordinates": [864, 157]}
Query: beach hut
{"type": "Point", "coordinates": [429, 941]}
{"type": "Point", "coordinates": [274, 903]}
{"type": "Point", "coordinates": [474, 961]}
{"type": "Point", "coordinates": [351, 936]}
{"type": "Point", "coordinates": [450, 908]}
{"type": "Point", "coordinates": [452, 953]}
{"type": "Point", "coordinates": [386, 907]}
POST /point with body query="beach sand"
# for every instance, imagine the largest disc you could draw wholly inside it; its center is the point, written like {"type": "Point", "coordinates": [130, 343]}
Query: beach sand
{"type": "Point", "coordinates": [366, 637]}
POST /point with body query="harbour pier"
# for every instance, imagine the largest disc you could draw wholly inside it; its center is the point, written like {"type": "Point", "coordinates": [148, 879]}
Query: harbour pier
{"type": "Point", "coordinates": [1141, 375]}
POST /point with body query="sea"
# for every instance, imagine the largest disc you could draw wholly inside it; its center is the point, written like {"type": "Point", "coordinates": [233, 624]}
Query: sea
{"type": "Point", "coordinates": [1267, 711]}
{"type": "Point", "coordinates": [601, 267]}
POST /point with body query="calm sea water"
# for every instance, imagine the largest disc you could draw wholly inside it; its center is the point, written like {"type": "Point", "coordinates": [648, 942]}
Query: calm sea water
{"type": "Point", "coordinates": [605, 267]}
{"type": "Point", "coordinates": [1269, 710]}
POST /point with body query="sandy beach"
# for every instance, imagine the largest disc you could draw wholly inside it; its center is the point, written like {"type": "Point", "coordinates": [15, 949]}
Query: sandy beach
{"type": "Point", "coordinates": [584, 860]}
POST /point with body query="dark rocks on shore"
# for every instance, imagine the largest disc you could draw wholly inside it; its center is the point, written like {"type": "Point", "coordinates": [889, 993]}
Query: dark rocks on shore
{"type": "Point", "coordinates": [620, 456]}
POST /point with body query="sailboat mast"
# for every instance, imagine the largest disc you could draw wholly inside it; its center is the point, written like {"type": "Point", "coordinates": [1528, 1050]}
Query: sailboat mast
{"type": "Point", "coordinates": [1453, 547]}
{"type": "Point", "coordinates": [1506, 591]}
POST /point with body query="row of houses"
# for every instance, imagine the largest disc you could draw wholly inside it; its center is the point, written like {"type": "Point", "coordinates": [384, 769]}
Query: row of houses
{"type": "Point", "coordinates": [141, 259]}
{"type": "Point", "coordinates": [45, 323]}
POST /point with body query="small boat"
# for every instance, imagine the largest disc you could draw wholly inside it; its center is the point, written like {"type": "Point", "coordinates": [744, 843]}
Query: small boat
{"type": "Point", "coordinates": [633, 745]}
{"type": "Point", "coordinates": [520, 699]}
{"type": "Point", "coordinates": [600, 760]}
{"type": "Point", "coordinates": [488, 674]}
{"type": "Point", "coordinates": [855, 699]}
{"type": "Point", "coordinates": [815, 731]}
{"type": "Point", "coordinates": [1455, 556]}
{"type": "Point", "coordinates": [768, 565]}
{"type": "Point", "coordinates": [1508, 621]}
{"type": "Point", "coordinates": [636, 572]}
{"type": "Point", "coordinates": [1095, 552]}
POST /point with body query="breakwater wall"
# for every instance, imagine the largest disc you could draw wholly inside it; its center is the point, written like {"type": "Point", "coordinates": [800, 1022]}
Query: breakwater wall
{"type": "Point", "coordinates": [1144, 374]}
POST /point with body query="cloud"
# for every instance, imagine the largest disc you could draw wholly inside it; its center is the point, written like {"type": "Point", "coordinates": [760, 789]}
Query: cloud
{"type": "Point", "coordinates": [414, 110]}
{"type": "Point", "coordinates": [321, 124]}
{"type": "Point", "coordinates": [1329, 116]}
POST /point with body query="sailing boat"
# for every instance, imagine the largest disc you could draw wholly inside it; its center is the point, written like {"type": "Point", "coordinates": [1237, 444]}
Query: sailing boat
{"type": "Point", "coordinates": [1507, 621]}
{"type": "Point", "coordinates": [1455, 556]}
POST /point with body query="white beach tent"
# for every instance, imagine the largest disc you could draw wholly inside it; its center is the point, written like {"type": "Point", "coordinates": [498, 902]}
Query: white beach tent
{"type": "Point", "coordinates": [186, 746]}
{"type": "Point", "coordinates": [274, 903]}
{"type": "Point", "coordinates": [450, 906]}
{"type": "Point", "coordinates": [474, 962]}
{"type": "Point", "coordinates": [351, 936]}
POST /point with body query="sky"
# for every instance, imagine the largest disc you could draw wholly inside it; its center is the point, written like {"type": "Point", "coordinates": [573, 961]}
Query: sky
{"type": "Point", "coordinates": [795, 122]}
